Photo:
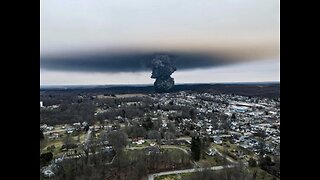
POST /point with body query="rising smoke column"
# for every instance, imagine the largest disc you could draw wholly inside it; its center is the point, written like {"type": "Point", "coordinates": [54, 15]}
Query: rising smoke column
{"type": "Point", "coordinates": [162, 68]}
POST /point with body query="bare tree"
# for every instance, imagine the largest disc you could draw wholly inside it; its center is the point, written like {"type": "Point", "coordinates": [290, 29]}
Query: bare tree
{"type": "Point", "coordinates": [155, 135]}
{"type": "Point", "coordinates": [118, 140]}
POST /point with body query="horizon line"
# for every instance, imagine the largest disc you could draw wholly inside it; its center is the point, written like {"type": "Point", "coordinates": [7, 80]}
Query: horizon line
{"type": "Point", "coordinates": [151, 84]}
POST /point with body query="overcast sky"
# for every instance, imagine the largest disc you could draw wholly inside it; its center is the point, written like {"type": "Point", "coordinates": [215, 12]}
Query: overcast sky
{"type": "Point", "coordinates": [236, 29]}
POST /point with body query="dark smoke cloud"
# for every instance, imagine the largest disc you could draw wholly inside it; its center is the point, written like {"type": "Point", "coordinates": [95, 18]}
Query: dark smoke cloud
{"type": "Point", "coordinates": [162, 68]}
{"type": "Point", "coordinates": [128, 62]}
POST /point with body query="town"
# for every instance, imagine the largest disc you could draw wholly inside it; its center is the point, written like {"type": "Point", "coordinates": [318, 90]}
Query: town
{"type": "Point", "coordinates": [145, 135]}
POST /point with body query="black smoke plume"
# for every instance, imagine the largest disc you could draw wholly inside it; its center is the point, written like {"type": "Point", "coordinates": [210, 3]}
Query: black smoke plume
{"type": "Point", "coordinates": [162, 68]}
{"type": "Point", "coordinates": [128, 61]}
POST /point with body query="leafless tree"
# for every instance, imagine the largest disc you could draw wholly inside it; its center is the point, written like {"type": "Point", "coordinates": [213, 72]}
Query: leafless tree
{"type": "Point", "coordinates": [118, 139]}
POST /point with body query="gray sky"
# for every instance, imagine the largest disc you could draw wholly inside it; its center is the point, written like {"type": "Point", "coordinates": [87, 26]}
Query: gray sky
{"type": "Point", "coordinates": [243, 29]}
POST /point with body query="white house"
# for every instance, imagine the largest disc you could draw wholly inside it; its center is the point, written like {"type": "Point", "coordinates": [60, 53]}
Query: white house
{"type": "Point", "coordinates": [217, 140]}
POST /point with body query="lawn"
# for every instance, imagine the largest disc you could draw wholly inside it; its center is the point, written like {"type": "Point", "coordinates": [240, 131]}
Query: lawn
{"type": "Point", "coordinates": [83, 137]}
{"type": "Point", "coordinates": [232, 147]}
{"type": "Point", "coordinates": [56, 143]}
{"type": "Point", "coordinates": [173, 151]}
{"type": "Point", "coordinates": [209, 161]}
{"type": "Point", "coordinates": [186, 147]}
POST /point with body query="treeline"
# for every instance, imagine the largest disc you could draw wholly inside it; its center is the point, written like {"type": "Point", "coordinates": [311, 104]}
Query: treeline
{"type": "Point", "coordinates": [77, 107]}
{"type": "Point", "coordinates": [151, 130]}
{"type": "Point", "coordinates": [127, 112]}
{"type": "Point", "coordinates": [126, 164]}
{"type": "Point", "coordinates": [268, 90]}
{"type": "Point", "coordinates": [118, 163]}
{"type": "Point", "coordinates": [272, 167]}
{"type": "Point", "coordinates": [133, 165]}
{"type": "Point", "coordinates": [67, 97]}
{"type": "Point", "coordinates": [68, 113]}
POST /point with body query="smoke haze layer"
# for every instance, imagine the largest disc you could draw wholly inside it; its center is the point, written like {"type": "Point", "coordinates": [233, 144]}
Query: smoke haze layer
{"type": "Point", "coordinates": [130, 62]}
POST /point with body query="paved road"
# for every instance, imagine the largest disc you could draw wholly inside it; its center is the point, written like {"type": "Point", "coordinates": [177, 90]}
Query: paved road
{"type": "Point", "coordinates": [88, 136]}
{"type": "Point", "coordinates": [133, 148]}
{"type": "Point", "coordinates": [163, 146]}
{"type": "Point", "coordinates": [151, 176]}
{"type": "Point", "coordinates": [54, 131]}
{"type": "Point", "coordinates": [184, 138]}
{"type": "Point", "coordinates": [174, 147]}
{"type": "Point", "coordinates": [111, 160]}
{"type": "Point", "coordinates": [170, 147]}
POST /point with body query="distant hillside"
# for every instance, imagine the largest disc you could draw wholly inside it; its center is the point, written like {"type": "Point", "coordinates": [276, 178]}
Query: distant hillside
{"type": "Point", "coordinates": [270, 90]}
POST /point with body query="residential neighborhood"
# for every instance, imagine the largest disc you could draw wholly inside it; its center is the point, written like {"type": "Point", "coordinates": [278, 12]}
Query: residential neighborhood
{"type": "Point", "coordinates": [238, 128]}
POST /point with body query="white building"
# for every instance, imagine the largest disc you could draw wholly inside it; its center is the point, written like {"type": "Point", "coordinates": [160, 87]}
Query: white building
{"type": "Point", "coordinates": [41, 104]}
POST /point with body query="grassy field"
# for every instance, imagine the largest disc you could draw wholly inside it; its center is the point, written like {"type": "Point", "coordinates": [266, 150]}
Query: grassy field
{"type": "Point", "coordinates": [56, 143]}
{"type": "Point", "coordinates": [173, 151]}
{"type": "Point", "coordinates": [232, 148]}
{"type": "Point", "coordinates": [209, 161]}
{"type": "Point", "coordinates": [83, 137]}
{"type": "Point", "coordinates": [186, 147]}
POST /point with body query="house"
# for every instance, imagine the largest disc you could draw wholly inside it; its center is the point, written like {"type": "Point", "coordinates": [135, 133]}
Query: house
{"type": "Point", "coordinates": [53, 136]}
{"type": "Point", "coordinates": [84, 123]}
{"type": "Point", "coordinates": [139, 142]}
{"type": "Point", "coordinates": [211, 152]}
{"type": "Point", "coordinates": [96, 128]}
{"type": "Point", "coordinates": [59, 159]}
{"type": "Point", "coordinates": [181, 142]}
{"type": "Point", "coordinates": [247, 134]}
{"type": "Point", "coordinates": [225, 136]}
{"type": "Point", "coordinates": [43, 127]}
{"type": "Point", "coordinates": [217, 140]}
{"type": "Point", "coordinates": [243, 138]}
{"type": "Point", "coordinates": [49, 128]}
{"type": "Point", "coordinates": [77, 124]}
{"type": "Point", "coordinates": [240, 154]}
{"type": "Point", "coordinates": [107, 149]}
{"type": "Point", "coordinates": [70, 130]}
{"type": "Point", "coordinates": [48, 173]}
{"type": "Point", "coordinates": [245, 146]}
{"type": "Point", "coordinates": [238, 109]}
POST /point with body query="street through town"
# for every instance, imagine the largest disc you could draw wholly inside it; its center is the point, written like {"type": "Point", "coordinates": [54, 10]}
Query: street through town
{"type": "Point", "coordinates": [152, 176]}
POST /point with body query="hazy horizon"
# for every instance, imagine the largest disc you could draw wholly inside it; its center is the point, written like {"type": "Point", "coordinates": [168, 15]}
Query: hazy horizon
{"type": "Point", "coordinates": [151, 84]}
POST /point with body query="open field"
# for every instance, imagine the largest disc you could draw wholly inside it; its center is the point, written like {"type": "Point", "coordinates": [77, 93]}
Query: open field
{"type": "Point", "coordinates": [210, 161]}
